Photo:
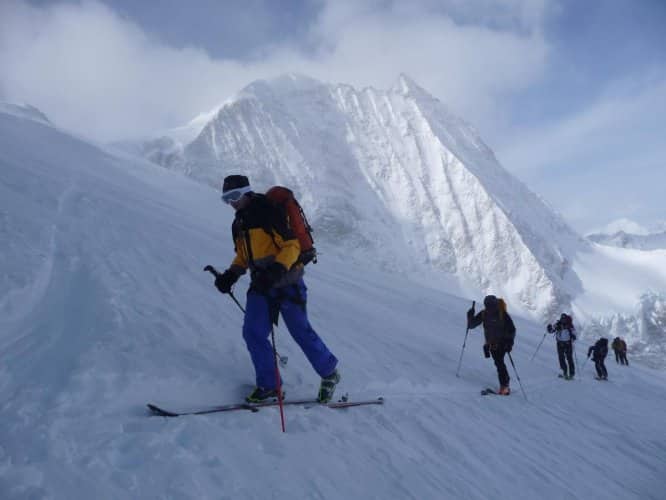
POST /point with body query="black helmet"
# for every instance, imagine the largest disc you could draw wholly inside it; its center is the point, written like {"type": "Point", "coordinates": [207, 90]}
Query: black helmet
{"type": "Point", "coordinates": [490, 302]}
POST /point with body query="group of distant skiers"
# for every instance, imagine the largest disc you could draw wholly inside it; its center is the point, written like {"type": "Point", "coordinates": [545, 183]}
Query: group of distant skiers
{"type": "Point", "coordinates": [500, 333]}
{"type": "Point", "coordinates": [565, 333]}
{"type": "Point", "coordinates": [272, 240]}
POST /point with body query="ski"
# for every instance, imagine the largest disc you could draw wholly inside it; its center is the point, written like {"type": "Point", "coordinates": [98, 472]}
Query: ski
{"type": "Point", "coordinates": [255, 407]}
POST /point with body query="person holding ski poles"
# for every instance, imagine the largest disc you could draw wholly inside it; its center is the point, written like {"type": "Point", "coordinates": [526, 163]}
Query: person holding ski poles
{"type": "Point", "coordinates": [499, 332]}
{"type": "Point", "coordinates": [265, 245]}
{"type": "Point", "coordinates": [565, 336]}
{"type": "Point", "coordinates": [599, 351]}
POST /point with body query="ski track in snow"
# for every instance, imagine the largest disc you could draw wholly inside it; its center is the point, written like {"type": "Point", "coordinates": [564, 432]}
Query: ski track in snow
{"type": "Point", "coordinates": [119, 313]}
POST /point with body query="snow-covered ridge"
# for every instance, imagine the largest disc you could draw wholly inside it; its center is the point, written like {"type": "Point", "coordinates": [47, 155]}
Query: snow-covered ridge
{"type": "Point", "coordinates": [24, 111]}
{"type": "Point", "coordinates": [650, 241]}
{"type": "Point", "coordinates": [623, 224]}
{"type": "Point", "coordinates": [395, 178]}
{"type": "Point", "coordinates": [626, 233]}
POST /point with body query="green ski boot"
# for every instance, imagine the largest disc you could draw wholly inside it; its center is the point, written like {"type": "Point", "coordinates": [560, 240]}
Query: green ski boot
{"type": "Point", "coordinates": [259, 394]}
{"type": "Point", "coordinates": [327, 387]}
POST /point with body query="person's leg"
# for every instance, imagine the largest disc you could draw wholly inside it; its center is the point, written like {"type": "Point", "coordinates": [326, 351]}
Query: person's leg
{"type": "Point", "coordinates": [597, 366]}
{"type": "Point", "coordinates": [502, 372]}
{"type": "Point", "coordinates": [294, 313]}
{"type": "Point", "coordinates": [561, 357]}
{"type": "Point", "coordinates": [256, 328]}
{"type": "Point", "coordinates": [570, 359]}
{"type": "Point", "coordinates": [618, 356]}
{"type": "Point", "coordinates": [603, 369]}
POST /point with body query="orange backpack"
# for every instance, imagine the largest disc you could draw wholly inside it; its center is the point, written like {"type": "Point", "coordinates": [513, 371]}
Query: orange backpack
{"type": "Point", "coordinates": [296, 221]}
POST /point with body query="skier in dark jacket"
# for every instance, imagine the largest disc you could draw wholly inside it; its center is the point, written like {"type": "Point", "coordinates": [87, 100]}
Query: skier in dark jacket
{"type": "Point", "coordinates": [265, 245]}
{"type": "Point", "coordinates": [599, 352]}
{"type": "Point", "coordinates": [620, 348]}
{"type": "Point", "coordinates": [499, 332]}
{"type": "Point", "coordinates": [565, 335]}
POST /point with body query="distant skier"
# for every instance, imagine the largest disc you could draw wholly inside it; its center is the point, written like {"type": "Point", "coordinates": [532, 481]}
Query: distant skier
{"type": "Point", "coordinates": [620, 348]}
{"type": "Point", "coordinates": [264, 243]}
{"type": "Point", "coordinates": [499, 332]}
{"type": "Point", "coordinates": [565, 334]}
{"type": "Point", "coordinates": [598, 352]}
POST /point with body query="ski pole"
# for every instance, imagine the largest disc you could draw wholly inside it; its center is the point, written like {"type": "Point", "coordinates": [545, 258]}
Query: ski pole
{"type": "Point", "coordinates": [464, 342]}
{"type": "Point", "coordinates": [517, 376]}
{"type": "Point", "coordinates": [278, 378]}
{"type": "Point", "coordinates": [539, 346]}
{"type": "Point", "coordinates": [216, 273]}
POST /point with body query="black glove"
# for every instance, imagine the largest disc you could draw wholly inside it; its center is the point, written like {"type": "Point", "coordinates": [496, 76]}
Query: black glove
{"type": "Point", "coordinates": [264, 279]}
{"type": "Point", "coordinates": [508, 346]}
{"type": "Point", "coordinates": [549, 328]}
{"type": "Point", "coordinates": [470, 314]}
{"type": "Point", "coordinates": [573, 336]}
{"type": "Point", "coordinates": [224, 281]}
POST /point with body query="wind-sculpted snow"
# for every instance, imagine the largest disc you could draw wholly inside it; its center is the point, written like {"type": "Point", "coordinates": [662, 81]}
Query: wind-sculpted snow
{"type": "Point", "coordinates": [104, 307]}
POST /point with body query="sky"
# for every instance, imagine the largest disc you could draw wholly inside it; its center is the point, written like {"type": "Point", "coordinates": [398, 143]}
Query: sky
{"type": "Point", "coordinates": [570, 95]}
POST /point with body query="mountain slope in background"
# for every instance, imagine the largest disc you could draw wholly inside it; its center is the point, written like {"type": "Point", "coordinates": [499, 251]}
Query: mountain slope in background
{"type": "Point", "coordinates": [651, 241]}
{"type": "Point", "coordinates": [396, 178]}
{"type": "Point", "coordinates": [104, 307]}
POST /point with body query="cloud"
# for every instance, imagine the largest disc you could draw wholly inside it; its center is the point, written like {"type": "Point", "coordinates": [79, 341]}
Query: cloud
{"type": "Point", "coordinates": [99, 74]}
{"type": "Point", "coordinates": [467, 65]}
{"type": "Point", "coordinates": [96, 73]}
{"type": "Point", "coordinates": [630, 109]}
{"type": "Point", "coordinates": [603, 162]}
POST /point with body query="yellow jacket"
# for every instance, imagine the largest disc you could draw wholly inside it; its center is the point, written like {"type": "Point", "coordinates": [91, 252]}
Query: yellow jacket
{"type": "Point", "coordinates": [261, 236]}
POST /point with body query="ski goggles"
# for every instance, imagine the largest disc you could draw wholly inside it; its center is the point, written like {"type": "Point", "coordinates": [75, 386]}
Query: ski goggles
{"type": "Point", "coordinates": [235, 194]}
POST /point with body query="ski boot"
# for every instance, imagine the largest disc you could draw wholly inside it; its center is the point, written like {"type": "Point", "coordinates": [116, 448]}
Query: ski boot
{"type": "Point", "coordinates": [327, 387]}
{"type": "Point", "coordinates": [259, 394]}
{"type": "Point", "coordinates": [504, 390]}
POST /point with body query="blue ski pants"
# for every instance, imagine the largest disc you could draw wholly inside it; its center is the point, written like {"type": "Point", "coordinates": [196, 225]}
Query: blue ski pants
{"type": "Point", "coordinates": [290, 301]}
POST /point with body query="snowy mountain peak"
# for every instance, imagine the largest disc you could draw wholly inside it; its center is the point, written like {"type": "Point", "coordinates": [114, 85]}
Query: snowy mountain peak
{"type": "Point", "coordinates": [622, 225]}
{"type": "Point", "coordinates": [289, 83]}
{"type": "Point", "coordinates": [392, 177]}
{"type": "Point", "coordinates": [406, 86]}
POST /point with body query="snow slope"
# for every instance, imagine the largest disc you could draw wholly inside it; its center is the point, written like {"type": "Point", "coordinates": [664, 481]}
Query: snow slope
{"type": "Point", "coordinates": [104, 307]}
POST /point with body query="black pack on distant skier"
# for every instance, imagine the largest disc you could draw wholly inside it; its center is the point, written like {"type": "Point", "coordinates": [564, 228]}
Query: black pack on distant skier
{"type": "Point", "coordinates": [296, 220]}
